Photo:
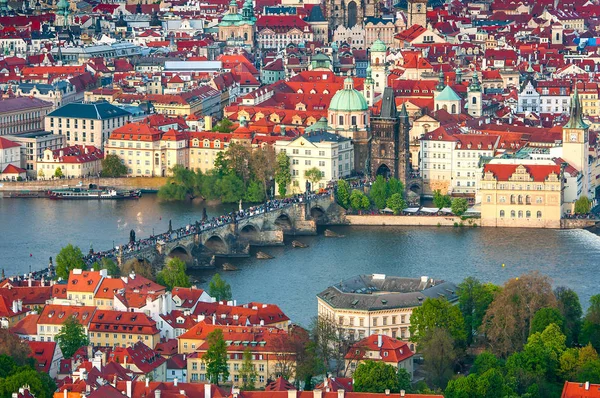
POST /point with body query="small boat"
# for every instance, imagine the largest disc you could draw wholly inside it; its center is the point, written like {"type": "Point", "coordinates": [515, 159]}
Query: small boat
{"type": "Point", "coordinates": [94, 194]}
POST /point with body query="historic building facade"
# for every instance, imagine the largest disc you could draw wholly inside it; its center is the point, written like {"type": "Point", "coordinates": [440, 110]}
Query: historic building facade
{"type": "Point", "coordinates": [350, 13]}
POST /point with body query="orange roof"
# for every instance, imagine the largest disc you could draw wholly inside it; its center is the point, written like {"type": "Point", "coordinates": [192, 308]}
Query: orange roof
{"type": "Point", "coordinates": [109, 287]}
{"type": "Point", "coordinates": [26, 326]}
{"type": "Point", "coordinates": [57, 314]}
{"type": "Point", "coordinates": [580, 390]}
{"type": "Point", "coordinates": [136, 132]}
{"type": "Point", "coordinates": [84, 281]}
{"type": "Point", "coordinates": [123, 322]}
{"type": "Point", "coordinates": [390, 350]}
{"type": "Point", "coordinates": [43, 353]}
{"type": "Point", "coordinates": [12, 169]}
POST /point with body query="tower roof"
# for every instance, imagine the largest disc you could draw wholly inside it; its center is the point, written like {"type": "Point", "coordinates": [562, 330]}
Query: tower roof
{"type": "Point", "coordinates": [388, 104]}
{"type": "Point", "coordinates": [378, 46]}
{"type": "Point", "coordinates": [575, 115]}
{"type": "Point", "coordinates": [448, 94]}
{"type": "Point", "coordinates": [349, 99]}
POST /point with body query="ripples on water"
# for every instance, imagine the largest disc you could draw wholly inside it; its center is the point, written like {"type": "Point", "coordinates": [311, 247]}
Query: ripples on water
{"type": "Point", "coordinates": [295, 276]}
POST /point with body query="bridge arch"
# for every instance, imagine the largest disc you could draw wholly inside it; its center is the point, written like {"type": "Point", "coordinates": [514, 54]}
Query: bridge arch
{"type": "Point", "coordinates": [181, 253]}
{"type": "Point", "coordinates": [249, 232]}
{"type": "Point", "coordinates": [216, 245]}
{"type": "Point", "coordinates": [284, 222]}
{"type": "Point", "coordinates": [318, 214]}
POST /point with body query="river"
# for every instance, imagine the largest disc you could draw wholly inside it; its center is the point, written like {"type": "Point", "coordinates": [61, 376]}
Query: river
{"type": "Point", "coordinates": [35, 229]}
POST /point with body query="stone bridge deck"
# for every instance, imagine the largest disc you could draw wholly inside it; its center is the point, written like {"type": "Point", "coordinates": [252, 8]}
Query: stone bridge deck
{"type": "Point", "coordinates": [235, 238]}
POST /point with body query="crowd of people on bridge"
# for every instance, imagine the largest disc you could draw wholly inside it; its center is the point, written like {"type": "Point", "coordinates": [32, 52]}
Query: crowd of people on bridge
{"type": "Point", "coordinates": [134, 246]}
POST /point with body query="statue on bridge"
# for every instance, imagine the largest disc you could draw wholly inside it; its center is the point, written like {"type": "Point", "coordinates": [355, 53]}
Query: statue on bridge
{"type": "Point", "coordinates": [170, 227]}
{"type": "Point", "coordinates": [132, 236]}
{"type": "Point", "coordinates": [204, 215]}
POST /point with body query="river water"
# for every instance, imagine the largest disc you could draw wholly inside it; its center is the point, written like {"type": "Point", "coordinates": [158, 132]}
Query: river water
{"type": "Point", "coordinates": [34, 229]}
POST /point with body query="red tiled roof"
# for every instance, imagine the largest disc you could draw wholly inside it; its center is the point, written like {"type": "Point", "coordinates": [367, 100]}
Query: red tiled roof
{"type": "Point", "coordinates": [26, 326]}
{"type": "Point", "coordinates": [6, 144]}
{"type": "Point", "coordinates": [12, 169]}
{"type": "Point", "coordinates": [391, 350]}
{"type": "Point", "coordinates": [57, 314]}
{"type": "Point", "coordinates": [28, 295]}
{"type": "Point", "coordinates": [43, 353]}
{"type": "Point", "coordinates": [84, 281]}
{"type": "Point", "coordinates": [123, 322]}
{"type": "Point", "coordinates": [580, 390]}
{"type": "Point", "coordinates": [539, 173]}
{"type": "Point", "coordinates": [144, 357]}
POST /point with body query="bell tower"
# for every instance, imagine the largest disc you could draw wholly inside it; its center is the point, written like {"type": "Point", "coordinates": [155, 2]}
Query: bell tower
{"type": "Point", "coordinates": [575, 141]}
{"type": "Point", "coordinates": [417, 13]}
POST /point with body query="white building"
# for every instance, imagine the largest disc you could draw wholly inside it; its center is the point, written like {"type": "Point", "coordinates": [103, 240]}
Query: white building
{"type": "Point", "coordinates": [332, 154]}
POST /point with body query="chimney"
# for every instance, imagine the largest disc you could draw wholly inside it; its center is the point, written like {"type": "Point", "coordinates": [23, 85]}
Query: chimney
{"type": "Point", "coordinates": [147, 382]}
{"type": "Point", "coordinates": [157, 393]}
{"type": "Point", "coordinates": [15, 306]}
{"type": "Point", "coordinates": [402, 393]}
{"type": "Point", "coordinates": [208, 123]}
{"type": "Point", "coordinates": [317, 394]}
{"type": "Point", "coordinates": [128, 383]}
{"type": "Point", "coordinates": [207, 390]}
{"type": "Point", "coordinates": [341, 393]}
{"type": "Point", "coordinates": [587, 386]}
{"type": "Point", "coordinates": [379, 341]}
{"type": "Point", "coordinates": [97, 362]}
{"type": "Point", "coordinates": [292, 393]}
{"type": "Point", "coordinates": [66, 393]}
{"type": "Point", "coordinates": [387, 392]}
{"type": "Point", "coordinates": [175, 382]}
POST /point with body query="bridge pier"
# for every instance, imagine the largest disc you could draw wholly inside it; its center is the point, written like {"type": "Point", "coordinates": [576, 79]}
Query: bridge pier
{"type": "Point", "coordinates": [267, 238]}
{"type": "Point", "coordinates": [303, 227]}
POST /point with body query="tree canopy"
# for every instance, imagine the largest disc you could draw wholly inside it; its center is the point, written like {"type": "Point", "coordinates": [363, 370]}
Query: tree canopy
{"type": "Point", "coordinates": [71, 337]}
{"type": "Point", "coordinates": [69, 258]}
{"type": "Point", "coordinates": [173, 274]}
{"type": "Point", "coordinates": [359, 201]}
{"type": "Point", "coordinates": [440, 201]}
{"type": "Point", "coordinates": [219, 289]}
{"type": "Point", "coordinates": [216, 357]}
{"type": "Point", "coordinates": [437, 313]}
{"type": "Point", "coordinates": [283, 175]}
{"type": "Point", "coordinates": [459, 206]}
{"type": "Point", "coordinates": [396, 203]}
{"type": "Point", "coordinates": [474, 299]}
{"type": "Point", "coordinates": [112, 166]}
{"type": "Point", "coordinates": [343, 193]}
{"type": "Point", "coordinates": [583, 205]}
{"type": "Point", "coordinates": [375, 377]}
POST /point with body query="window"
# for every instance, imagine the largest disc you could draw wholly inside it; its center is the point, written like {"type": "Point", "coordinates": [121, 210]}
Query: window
{"type": "Point", "coordinates": [520, 213]}
{"type": "Point", "coordinates": [539, 214]}
{"type": "Point", "coordinates": [488, 199]}
{"type": "Point", "coordinates": [528, 214]}
{"type": "Point", "coordinates": [501, 213]}
{"type": "Point", "coordinates": [512, 214]}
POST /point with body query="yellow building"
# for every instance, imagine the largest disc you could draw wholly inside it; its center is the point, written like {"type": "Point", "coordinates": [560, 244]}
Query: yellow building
{"type": "Point", "coordinates": [147, 151]}
{"type": "Point", "coordinates": [122, 329]}
{"type": "Point", "coordinates": [521, 195]}
{"type": "Point", "coordinates": [267, 347]}
{"type": "Point", "coordinates": [75, 161]}
{"type": "Point", "coordinates": [53, 316]}
{"type": "Point", "coordinates": [588, 98]}
{"type": "Point", "coordinates": [378, 304]}
{"type": "Point", "coordinates": [204, 147]}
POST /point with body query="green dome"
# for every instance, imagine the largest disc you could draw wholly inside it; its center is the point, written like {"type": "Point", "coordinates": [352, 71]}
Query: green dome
{"type": "Point", "coordinates": [378, 46]}
{"type": "Point", "coordinates": [348, 99]}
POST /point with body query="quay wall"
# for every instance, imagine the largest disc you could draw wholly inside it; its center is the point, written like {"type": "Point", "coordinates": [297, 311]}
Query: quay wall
{"type": "Point", "coordinates": [567, 223]}
{"type": "Point", "coordinates": [389, 220]}
{"type": "Point", "coordinates": [144, 183]}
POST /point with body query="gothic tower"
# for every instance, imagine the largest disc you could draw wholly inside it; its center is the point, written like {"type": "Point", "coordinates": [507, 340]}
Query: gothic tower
{"type": "Point", "coordinates": [378, 53]}
{"type": "Point", "coordinates": [369, 87]}
{"type": "Point", "coordinates": [417, 13]}
{"type": "Point", "coordinates": [385, 137]}
{"type": "Point", "coordinates": [575, 141]}
{"type": "Point", "coordinates": [350, 12]}
{"type": "Point", "coordinates": [404, 167]}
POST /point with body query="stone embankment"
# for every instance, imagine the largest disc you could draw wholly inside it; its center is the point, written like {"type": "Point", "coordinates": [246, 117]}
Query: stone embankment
{"type": "Point", "coordinates": [143, 183]}
{"type": "Point", "coordinates": [389, 220]}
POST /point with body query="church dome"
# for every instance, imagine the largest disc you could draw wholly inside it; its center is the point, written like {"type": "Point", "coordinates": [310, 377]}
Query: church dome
{"type": "Point", "coordinates": [349, 99]}
{"type": "Point", "coordinates": [378, 46]}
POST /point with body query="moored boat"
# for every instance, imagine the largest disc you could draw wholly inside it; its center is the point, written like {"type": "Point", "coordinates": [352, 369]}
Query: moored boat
{"type": "Point", "coordinates": [93, 194]}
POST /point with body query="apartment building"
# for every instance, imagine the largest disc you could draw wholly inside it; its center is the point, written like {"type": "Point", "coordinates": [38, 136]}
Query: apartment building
{"type": "Point", "coordinates": [20, 115]}
{"type": "Point", "coordinates": [122, 329]}
{"type": "Point", "coordinates": [86, 123]}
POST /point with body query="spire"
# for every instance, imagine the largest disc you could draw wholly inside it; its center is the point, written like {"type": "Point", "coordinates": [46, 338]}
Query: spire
{"type": "Point", "coordinates": [441, 83]}
{"type": "Point", "coordinates": [369, 78]}
{"type": "Point", "coordinates": [403, 114]}
{"type": "Point", "coordinates": [248, 10]}
{"type": "Point", "coordinates": [474, 86]}
{"type": "Point", "coordinates": [458, 76]}
{"type": "Point", "coordinates": [575, 114]}
{"type": "Point", "coordinates": [388, 104]}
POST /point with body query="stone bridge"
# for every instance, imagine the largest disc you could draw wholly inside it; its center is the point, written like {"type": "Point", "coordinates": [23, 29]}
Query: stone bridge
{"type": "Point", "coordinates": [235, 239]}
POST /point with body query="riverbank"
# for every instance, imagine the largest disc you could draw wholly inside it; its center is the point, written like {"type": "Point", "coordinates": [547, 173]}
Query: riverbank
{"type": "Point", "coordinates": [146, 184]}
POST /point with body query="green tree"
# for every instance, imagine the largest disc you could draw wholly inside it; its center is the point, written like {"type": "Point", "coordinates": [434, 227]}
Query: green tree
{"type": "Point", "coordinates": [40, 384]}
{"type": "Point", "coordinates": [507, 321]}
{"type": "Point", "coordinates": [109, 265]}
{"type": "Point", "coordinates": [486, 361]}
{"type": "Point", "coordinates": [491, 384]}
{"type": "Point", "coordinates": [71, 337]}
{"type": "Point", "coordinates": [379, 192]}
{"type": "Point", "coordinates": [283, 175]}
{"type": "Point", "coordinates": [219, 289]}
{"type": "Point", "coordinates": [247, 371]}
{"type": "Point", "coordinates": [254, 193]}
{"type": "Point", "coordinates": [313, 175]}
{"type": "Point", "coordinates": [459, 206]}
{"type": "Point", "coordinates": [112, 166]}
{"type": "Point", "coordinates": [590, 330]}
{"type": "Point", "coordinates": [223, 126]}
{"type": "Point", "coordinates": [173, 274]}
{"type": "Point", "coordinates": [570, 308]}
{"type": "Point", "coordinates": [583, 205]}
{"type": "Point", "coordinates": [439, 356]}
{"type": "Point", "coordinates": [58, 173]}
{"type": "Point", "coordinates": [440, 201]}
{"type": "Point", "coordinates": [238, 160]}
{"type": "Point", "coordinates": [437, 313]}
{"type": "Point", "coordinates": [14, 347]}
{"type": "Point", "coordinates": [216, 357]}
{"type": "Point", "coordinates": [359, 201]}
{"type": "Point", "coordinates": [375, 377]}
{"type": "Point", "coordinates": [343, 194]}
{"type": "Point", "coordinates": [395, 186]}
{"type": "Point", "coordinates": [41, 173]}
{"type": "Point", "coordinates": [69, 258]}
{"type": "Point", "coordinates": [474, 299]}
{"type": "Point", "coordinates": [262, 166]}
{"type": "Point", "coordinates": [544, 317]}
{"type": "Point", "coordinates": [172, 192]}
{"type": "Point", "coordinates": [396, 203]}
{"type": "Point", "coordinates": [404, 380]}
{"type": "Point", "coordinates": [462, 387]}
{"type": "Point", "coordinates": [230, 188]}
